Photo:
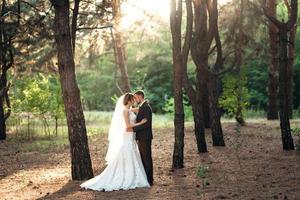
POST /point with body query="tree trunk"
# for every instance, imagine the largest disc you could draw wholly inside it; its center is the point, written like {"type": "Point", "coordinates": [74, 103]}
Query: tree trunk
{"type": "Point", "coordinates": [2, 121]}
{"type": "Point", "coordinates": [175, 22]}
{"type": "Point", "coordinates": [291, 57]}
{"type": "Point", "coordinates": [290, 70]}
{"type": "Point", "coordinates": [56, 126]}
{"type": "Point", "coordinates": [6, 62]}
{"type": "Point", "coordinates": [80, 156]}
{"type": "Point", "coordinates": [273, 67]}
{"type": "Point", "coordinates": [286, 136]}
{"type": "Point", "coordinates": [206, 106]}
{"type": "Point", "coordinates": [284, 28]}
{"type": "Point", "coordinates": [120, 51]}
{"type": "Point", "coordinates": [239, 114]}
{"type": "Point", "coordinates": [178, 152]}
{"type": "Point", "coordinates": [199, 112]}
{"type": "Point", "coordinates": [200, 130]}
{"type": "Point", "coordinates": [74, 24]}
{"type": "Point", "coordinates": [216, 128]}
{"type": "Point", "coordinates": [239, 61]}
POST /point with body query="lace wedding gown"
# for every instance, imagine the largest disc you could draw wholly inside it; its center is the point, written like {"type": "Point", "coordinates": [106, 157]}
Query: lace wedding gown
{"type": "Point", "coordinates": [125, 171]}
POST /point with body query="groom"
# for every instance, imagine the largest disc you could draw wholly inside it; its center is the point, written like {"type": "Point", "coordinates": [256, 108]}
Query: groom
{"type": "Point", "coordinates": [144, 133]}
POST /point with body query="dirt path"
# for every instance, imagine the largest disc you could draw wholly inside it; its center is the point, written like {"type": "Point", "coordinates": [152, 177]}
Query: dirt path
{"type": "Point", "coordinates": [251, 166]}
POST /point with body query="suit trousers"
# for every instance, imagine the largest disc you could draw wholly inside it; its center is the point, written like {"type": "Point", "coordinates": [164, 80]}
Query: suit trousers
{"type": "Point", "coordinates": [146, 156]}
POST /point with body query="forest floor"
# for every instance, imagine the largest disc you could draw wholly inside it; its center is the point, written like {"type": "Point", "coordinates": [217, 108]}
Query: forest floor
{"type": "Point", "coordinates": [251, 166]}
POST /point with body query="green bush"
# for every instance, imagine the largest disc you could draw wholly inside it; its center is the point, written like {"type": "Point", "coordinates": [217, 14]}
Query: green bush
{"type": "Point", "coordinates": [234, 86]}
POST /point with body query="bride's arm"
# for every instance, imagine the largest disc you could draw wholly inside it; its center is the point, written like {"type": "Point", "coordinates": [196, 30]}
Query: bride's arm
{"type": "Point", "coordinates": [139, 123]}
{"type": "Point", "coordinates": [126, 117]}
{"type": "Point", "coordinates": [136, 110]}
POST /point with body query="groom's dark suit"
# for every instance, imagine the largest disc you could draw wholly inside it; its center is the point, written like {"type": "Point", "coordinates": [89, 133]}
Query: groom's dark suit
{"type": "Point", "coordinates": [144, 138]}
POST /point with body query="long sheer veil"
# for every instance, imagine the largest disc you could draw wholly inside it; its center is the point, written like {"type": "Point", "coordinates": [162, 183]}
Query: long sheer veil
{"type": "Point", "coordinates": [116, 131]}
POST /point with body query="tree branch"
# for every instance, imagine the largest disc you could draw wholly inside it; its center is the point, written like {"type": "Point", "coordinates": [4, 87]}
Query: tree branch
{"type": "Point", "coordinates": [93, 28]}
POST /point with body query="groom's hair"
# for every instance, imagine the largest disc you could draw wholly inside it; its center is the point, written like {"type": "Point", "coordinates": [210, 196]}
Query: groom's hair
{"type": "Point", "coordinates": [140, 93]}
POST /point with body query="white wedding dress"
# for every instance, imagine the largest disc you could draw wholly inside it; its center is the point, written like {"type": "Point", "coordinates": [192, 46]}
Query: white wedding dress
{"type": "Point", "coordinates": [125, 169]}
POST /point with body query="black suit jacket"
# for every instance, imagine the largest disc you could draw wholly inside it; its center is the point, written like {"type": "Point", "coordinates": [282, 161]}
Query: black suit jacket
{"type": "Point", "coordinates": [144, 131]}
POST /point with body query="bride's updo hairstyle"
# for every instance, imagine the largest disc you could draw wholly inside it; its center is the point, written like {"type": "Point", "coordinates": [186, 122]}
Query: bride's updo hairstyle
{"type": "Point", "coordinates": [128, 98]}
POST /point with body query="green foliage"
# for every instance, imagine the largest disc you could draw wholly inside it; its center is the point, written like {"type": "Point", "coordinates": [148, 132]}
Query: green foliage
{"type": "Point", "coordinates": [295, 131]}
{"type": "Point", "coordinates": [149, 62]}
{"type": "Point", "coordinates": [257, 84]}
{"type": "Point", "coordinates": [201, 171]}
{"type": "Point", "coordinates": [297, 72]}
{"type": "Point", "coordinates": [169, 108]}
{"type": "Point", "coordinates": [234, 87]}
{"type": "Point", "coordinates": [39, 94]}
{"type": "Point", "coordinates": [149, 68]}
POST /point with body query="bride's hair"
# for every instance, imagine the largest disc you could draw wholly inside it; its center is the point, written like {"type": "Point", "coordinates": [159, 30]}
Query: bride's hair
{"type": "Point", "coordinates": [127, 98]}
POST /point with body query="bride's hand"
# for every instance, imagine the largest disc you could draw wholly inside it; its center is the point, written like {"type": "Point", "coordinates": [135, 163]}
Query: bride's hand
{"type": "Point", "coordinates": [135, 110]}
{"type": "Point", "coordinates": [144, 121]}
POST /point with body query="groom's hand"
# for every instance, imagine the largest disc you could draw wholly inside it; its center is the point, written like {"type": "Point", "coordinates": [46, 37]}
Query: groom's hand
{"type": "Point", "coordinates": [129, 129]}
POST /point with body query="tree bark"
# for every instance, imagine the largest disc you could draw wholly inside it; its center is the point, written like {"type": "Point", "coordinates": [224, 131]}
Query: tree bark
{"type": "Point", "coordinates": [290, 68]}
{"type": "Point", "coordinates": [120, 48]}
{"type": "Point", "coordinates": [199, 112]}
{"type": "Point", "coordinates": [6, 62]}
{"type": "Point", "coordinates": [206, 29]}
{"type": "Point", "coordinates": [239, 61]}
{"type": "Point", "coordinates": [216, 127]}
{"type": "Point", "coordinates": [284, 29]}
{"type": "Point", "coordinates": [74, 24]}
{"type": "Point", "coordinates": [287, 139]}
{"type": "Point", "coordinates": [273, 66]}
{"type": "Point", "coordinates": [206, 106]}
{"type": "Point", "coordinates": [2, 122]}
{"type": "Point", "coordinates": [175, 22]}
{"type": "Point", "coordinates": [80, 157]}
{"type": "Point", "coordinates": [214, 88]}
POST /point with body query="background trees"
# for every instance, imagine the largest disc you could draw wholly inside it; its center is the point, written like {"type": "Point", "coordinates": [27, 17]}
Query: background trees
{"type": "Point", "coordinates": [225, 75]}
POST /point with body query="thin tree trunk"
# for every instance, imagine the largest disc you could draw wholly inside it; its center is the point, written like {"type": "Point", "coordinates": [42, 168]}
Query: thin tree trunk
{"type": "Point", "coordinates": [290, 70]}
{"type": "Point", "coordinates": [291, 57]}
{"type": "Point", "coordinates": [273, 67]}
{"type": "Point", "coordinates": [120, 48]}
{"type": "Point", "coordinates": [2, 122]}
{"type": "Point", "coordinates": [206, 106]}
{"type": "Point", "coordinates": [199, 115]}
{"type": "Point", "coordinates": [2, 60]}
{"type": "Point", "coordinates": [239, 61]}
{"type": "Point", "coordinates": [6, 62]}
{"type": "Point", "coordinates": [216, 128]}
{"type": "Point", "coordinates": [80, 156]}
{"type": "Point", "coordinates": [201, 41]}
{"type": "Point", "coordinates": [175, 22]}
{"type": "Point", "coordinates": [56, 126]}
{"type": "Point", "coordinates": [287, 139]}
{"type": "Point", "coordinates": [197, 109]}
{"type": "Point", "coordinates": [74, 24]}
{"type": "Point", "coordinates": [284, 29]}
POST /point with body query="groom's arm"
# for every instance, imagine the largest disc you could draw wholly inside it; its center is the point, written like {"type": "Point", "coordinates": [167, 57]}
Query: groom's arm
{"type": "Point", "coordinates": [146, 114]}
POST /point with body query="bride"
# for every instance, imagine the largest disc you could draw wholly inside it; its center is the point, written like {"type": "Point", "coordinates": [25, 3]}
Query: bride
{"type": "Point", "coordinates": [124, 169]}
